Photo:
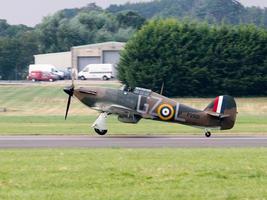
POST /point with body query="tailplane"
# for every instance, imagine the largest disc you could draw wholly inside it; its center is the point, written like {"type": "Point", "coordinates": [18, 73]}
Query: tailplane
{"type": "Point", "coordinates": [223, 107]}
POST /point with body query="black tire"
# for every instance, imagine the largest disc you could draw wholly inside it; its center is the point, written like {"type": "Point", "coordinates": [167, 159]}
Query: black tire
{"type": "Point", "coordinates": [104, 78]}
{"type": "Point", "coordinates": [101, 132]}
{"type": "Point", "coordinates": [208, 134]}
{"type": "Point", "coordinates": [83, 78]}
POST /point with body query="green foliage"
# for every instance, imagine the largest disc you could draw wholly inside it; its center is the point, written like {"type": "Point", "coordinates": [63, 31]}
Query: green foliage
{"type": "Point", "coordinates": [194, 59]}
{"type": "Point", "coordinates": [7, 30]}
{"type": "Point", "coordinates": [16, 54]}
{"type": "Point", "coordinates": [130, 18]}
{"type": "Point", "coordinates": [213, 11]}
{"type": "Point", "coordinates": [17, 45]}
{"type": "Point", "coordinates": [87, 25]}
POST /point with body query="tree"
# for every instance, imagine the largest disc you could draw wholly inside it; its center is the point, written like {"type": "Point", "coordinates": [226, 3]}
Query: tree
{"type": "Point", "coordinates": [130, 19]}
{"type": "Point", "coordinates": [213, 11]}
{"type": "Point", "coordinates": [194, 59]}
{"type": "Point", "coordinates": [16, 54]}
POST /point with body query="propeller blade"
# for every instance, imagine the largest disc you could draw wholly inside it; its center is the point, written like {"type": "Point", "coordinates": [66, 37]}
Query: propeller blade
{"type": "Point", "coordinates": [69, 91]}
{"type": "Point", "coordinates": [68, 107]}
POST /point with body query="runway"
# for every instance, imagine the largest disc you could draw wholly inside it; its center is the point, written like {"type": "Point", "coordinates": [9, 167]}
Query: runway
{"type": "Point", "coordinates": [216, 141]}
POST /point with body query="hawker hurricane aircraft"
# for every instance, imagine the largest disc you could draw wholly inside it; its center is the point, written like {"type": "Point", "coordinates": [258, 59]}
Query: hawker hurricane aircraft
{"type": "Point", "coordinates": [133, 105]}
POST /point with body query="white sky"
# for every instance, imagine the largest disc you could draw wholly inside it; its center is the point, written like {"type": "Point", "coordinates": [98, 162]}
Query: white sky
{"type": "Point", "coordinates": [31, 12]}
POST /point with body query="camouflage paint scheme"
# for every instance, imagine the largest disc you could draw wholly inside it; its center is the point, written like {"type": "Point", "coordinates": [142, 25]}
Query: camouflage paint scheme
{"type": "Point", "coordinates": [131, 106]}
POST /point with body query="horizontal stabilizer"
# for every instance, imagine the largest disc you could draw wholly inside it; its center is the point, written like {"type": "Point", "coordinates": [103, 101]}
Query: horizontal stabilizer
{"type": "Point", "coordinates": [215, 114]}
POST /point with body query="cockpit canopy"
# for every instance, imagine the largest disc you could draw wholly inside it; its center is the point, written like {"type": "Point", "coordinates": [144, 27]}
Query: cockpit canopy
{"type": "Point", "coordinates": [142, 91]}
{"type": "Point", "coordinates": [137, 90]}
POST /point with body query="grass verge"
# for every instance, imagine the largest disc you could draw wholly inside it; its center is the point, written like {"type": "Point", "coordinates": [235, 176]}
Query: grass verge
{"type": "Point", "coordinates": [35, 125]}
{"type": "Point", "coordinates": [133, 174]}
{"type": "Point", "coordinates": [39, 109]}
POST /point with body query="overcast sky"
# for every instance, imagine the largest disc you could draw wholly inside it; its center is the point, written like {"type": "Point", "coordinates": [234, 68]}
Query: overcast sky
{"type": "Point", "coordinates": [31, 12]}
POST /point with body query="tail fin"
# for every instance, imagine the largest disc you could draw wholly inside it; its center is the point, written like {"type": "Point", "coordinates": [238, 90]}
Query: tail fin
{"type": "Point", "coordinates": [225, 108]}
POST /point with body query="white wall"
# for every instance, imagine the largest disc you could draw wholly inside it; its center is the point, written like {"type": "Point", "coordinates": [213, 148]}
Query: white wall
{"type": "Point", "coordinates": [60, 60]}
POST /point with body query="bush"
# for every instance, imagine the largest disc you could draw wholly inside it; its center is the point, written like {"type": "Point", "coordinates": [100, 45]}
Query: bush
{"type": "Point", "coordinates": [193, 59]}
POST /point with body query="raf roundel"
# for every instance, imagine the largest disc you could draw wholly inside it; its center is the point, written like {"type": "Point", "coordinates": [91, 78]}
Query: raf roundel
{"type": "Point", "coordinates": [165, 112]}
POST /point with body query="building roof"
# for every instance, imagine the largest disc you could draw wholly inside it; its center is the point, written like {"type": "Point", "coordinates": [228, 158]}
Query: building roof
{"type": "Point", "coordinates": [100, 44]}
{"type": "Point", "coordinates": [57, 53]}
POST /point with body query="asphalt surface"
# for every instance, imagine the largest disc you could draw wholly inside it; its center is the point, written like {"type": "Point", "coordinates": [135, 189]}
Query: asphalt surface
{"type": "Point", "coordinates": [131, 141]}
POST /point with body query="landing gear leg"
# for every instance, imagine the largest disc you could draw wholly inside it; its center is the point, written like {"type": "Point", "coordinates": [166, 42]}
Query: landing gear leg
{"type": "Point", "coordinates": [100, 124]}
{"type": "Point", "coordinates": [207, 133]}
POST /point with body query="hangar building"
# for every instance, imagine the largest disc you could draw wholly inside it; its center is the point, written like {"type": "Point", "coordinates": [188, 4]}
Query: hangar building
{"type": "Point", "coordinates": [60, 60]}
{"type": "Point", "coordinates": [80, 56]}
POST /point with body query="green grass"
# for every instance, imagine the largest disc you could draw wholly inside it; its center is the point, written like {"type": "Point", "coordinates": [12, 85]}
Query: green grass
{"type": "Point", "coordinates": [81, 125]}
{"type": "Point", "coordinates": [133, 174]}
{"type": "Point", "coordinates": [51, 100]}
{"type": "Point", "coordinates": [40, 109]}
{"type": "Point", "coordinates": [39, 100]}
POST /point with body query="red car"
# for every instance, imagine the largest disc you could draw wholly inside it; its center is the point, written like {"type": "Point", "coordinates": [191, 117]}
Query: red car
{"type": "Point", "coordinates": [42, 76]}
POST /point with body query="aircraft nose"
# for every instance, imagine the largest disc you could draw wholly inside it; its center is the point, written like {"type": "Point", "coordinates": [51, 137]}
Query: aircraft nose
{"type": "Point", "coordinates": [88, 91]}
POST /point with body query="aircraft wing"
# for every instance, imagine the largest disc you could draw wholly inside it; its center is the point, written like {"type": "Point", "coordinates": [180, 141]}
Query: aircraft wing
{"type": "Point", "coordinates": [120, 110]}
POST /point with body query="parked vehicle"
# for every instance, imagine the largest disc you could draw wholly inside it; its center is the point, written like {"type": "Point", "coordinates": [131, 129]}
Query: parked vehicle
{"type": "Point", "coordinates": [46, 68]}
{"type": "Point", "coordinates": [97, 71]}
{"type": "Point", "coordinates": [67, 73]}
{"type": "Point", "coordinates": [42, 76]}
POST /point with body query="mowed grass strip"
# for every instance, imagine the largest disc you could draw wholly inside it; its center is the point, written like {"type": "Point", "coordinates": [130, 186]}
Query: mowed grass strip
{"type": "Point", "coordinates": [133, 174]}
{"type": "Point", "coordinates": [40, 109]}
{"type": "Point", "coordinates": [51, 100]}
{"type": "Point", "coordinates": [56, 125]}
{"type": "Point", "coordinates": [38, 100]}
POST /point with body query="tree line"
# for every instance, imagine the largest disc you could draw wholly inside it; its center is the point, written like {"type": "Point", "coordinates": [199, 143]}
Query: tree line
{"type": "Point", "coordinates": [196, 59]}
{"type": "Point", "coordinates": [59, 32]}
{"type": "Point", "coordinates": [212, 11]}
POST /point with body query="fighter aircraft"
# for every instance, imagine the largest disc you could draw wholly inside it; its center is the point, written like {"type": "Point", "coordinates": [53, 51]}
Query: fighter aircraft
{"type": "Point", "coordinates": [133, 105]}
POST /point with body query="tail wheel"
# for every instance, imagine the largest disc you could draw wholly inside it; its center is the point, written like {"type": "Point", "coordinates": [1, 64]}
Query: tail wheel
{"type": "Point", "coordinates": [207, 134]}
{"type": "Point", "coordinates": [101, 132]}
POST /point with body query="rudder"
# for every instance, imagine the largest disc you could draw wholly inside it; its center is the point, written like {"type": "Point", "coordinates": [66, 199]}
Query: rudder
{"type": "Point", "coordinates": [224, 105]}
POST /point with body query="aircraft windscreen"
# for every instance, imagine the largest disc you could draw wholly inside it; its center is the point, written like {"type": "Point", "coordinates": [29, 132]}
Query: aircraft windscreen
{"type": "Point", "coordinates": [142, 91]}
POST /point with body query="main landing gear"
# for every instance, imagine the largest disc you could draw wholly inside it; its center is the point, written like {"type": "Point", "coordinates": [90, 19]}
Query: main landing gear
{"type": "Point", "coordinates": [207, 133]}
{"type": "Point", "coordinates": [101, 132]}
{"type": "Point", "coordinates": [100, 124]}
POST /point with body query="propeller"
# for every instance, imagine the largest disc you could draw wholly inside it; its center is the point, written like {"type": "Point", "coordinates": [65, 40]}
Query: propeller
{"type": "Point", "coordinates": [70, 90]}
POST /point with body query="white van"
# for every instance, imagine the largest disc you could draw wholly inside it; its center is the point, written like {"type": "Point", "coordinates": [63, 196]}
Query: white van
{"type": "Point", "coordinates": [46, 68]}
{"type": "Point", "coordinates": [97, 71]}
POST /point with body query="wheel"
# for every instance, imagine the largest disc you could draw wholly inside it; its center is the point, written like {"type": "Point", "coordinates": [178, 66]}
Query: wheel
{"type": "Point", "coordinates": [83, 78]}
{"type": "Point", "coordinates": [105, 78]}
{"type": "Point", "coordinates": [33, 80]}
{"type": "Point", "coordinates": [51, 80]}
{"type": "Point", "coordinates": [101, 132]}
{"type": "Point", "coordinates": [207, 134]}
